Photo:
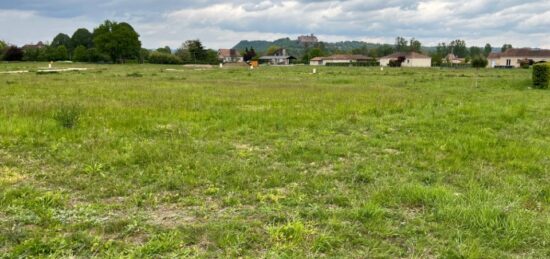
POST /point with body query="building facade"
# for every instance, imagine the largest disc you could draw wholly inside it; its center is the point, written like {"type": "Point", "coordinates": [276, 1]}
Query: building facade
{"type": "Point", "coordinates": [515, 57]}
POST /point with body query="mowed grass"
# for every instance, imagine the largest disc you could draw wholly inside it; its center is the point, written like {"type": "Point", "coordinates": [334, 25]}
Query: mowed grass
{"type": "Point", "coordinates": [144, 161]}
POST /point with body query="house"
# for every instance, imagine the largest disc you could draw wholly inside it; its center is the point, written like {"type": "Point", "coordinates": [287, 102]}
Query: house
{"type": "Point", "coordinates": [229, 56]}
{"type": "Point", "coordinates": [452, 59]}
{"type": "Point", "coordinates": [407, 59]}
{"type": "Point", "coordinates": [515, 57]}
{"type": "Point", "coordinates": [321, 61]}
{"type": "Point", "coordinates": [280, 57]}
{"type": "Point", "coordinates": [308, 39]}
{"type": "Point", "coordinates": [38, 45]}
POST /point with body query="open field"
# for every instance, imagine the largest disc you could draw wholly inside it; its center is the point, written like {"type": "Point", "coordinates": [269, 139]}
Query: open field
{"type": "Point", "coordinates": [138, 161]}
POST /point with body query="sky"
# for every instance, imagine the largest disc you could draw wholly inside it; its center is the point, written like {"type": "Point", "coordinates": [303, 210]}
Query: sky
{"type": "Point", "coordinates": [222, 24]}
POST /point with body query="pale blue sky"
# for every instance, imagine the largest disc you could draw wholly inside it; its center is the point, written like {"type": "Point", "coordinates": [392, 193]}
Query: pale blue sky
{"type": "Point", "coordinates": [223, 23]}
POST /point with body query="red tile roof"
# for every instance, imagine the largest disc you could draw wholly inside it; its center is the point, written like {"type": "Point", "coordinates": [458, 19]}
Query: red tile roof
{"type": "Point", "coordinates": [525, 52]}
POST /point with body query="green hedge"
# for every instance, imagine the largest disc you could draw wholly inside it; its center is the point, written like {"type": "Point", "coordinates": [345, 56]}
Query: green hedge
{"type": "Point", "coordinates": [541, 76]}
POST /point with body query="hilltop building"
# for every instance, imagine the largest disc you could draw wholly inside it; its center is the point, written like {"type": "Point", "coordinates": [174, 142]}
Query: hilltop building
{"type": "Point", "coordinates": [515, 57]}
{"type": "Point", "coordinates": [308, 39]}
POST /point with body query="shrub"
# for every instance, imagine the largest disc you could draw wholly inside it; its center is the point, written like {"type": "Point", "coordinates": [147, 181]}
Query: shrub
{"type": "Point", "coordinates": [80, 54]}
{"type": "Point", "coordinates": [479, 62]}
{"type": "Point", "coordinates": [163, 58]}
{"type": "Point", "coordinates": [541, 75]}
{"type": "Point", "coordinates": [13, 53]}
{"type": "Point", "coordinates": [67, 116]}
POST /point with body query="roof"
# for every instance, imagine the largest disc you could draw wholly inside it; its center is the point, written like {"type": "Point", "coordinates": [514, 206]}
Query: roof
{"type": "Point", "coordinates": [407, 55]}
{"type": "Point", "coordinates": [277, 57]}
{"type": "Point", "coordinates": [342, 57]}
{"type": "Point", "coordinates": [229, 53]}
{"type": "Point", "coordinates": [524, 52]}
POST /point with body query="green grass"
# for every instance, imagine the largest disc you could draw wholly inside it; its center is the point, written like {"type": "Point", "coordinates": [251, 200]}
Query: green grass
{"type": "Point", "coordinates": [141, 161]}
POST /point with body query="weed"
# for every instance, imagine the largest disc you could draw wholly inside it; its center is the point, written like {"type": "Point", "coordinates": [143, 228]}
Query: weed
{"type": "Point", "coordinates": [67, 116]}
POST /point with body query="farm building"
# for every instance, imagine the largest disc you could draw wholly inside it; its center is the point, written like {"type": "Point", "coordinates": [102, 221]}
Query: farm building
{"type": "Point", "coordinates": [321, 61]}
{"type": "Point", "coordinates": [280, 57]}
{"type": "Point", "coordinates": [229, 56]}
{"type": "Point", "coordinates": [407, 59]}
{"type": "Point", "coordinates": [515, 57]}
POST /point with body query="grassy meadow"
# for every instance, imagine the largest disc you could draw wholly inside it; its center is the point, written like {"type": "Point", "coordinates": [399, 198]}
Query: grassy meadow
{"type": "Point", "coordinates": [165, 161]}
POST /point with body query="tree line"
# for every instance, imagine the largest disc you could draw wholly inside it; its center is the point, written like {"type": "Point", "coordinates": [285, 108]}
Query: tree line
{"type": "Point", "coordinates": [110, 42]}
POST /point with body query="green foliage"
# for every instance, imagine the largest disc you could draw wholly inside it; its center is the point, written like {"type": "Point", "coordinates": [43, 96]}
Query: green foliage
{"type": "Point", "coordinates": [541, 76]}
{"type": "Point", "coordinates": [118, 40]}
{"type": "Point", "coordinates": [96, 56]}
{"type": "Point", "coordinates": [61, 40]}
{"type": "Point", "coordinates": [272, 49]}
{"type": "Point", "coordinates": [437, 59]}
{"type": "Point", "coordinates": [487, 50]}
{"type": "Point", "coordinates": [82, 37]}
{"type": "Point", "coordinates": [165, 50]}
{"type": "Point", "coordinates": [80, 54]}
{"type": "Point", "coordinates": [13, 53]}
{"type": "Point", "coordinates": [163, 58]}
{"type": "Point", "coordinates": [479, 62]}
{"type": "Point", "coordinates": [67, 116]}
{"type": "Point", "coordinates": [61, 53]}
{"type": "Point", "coordinates": [506, 47]}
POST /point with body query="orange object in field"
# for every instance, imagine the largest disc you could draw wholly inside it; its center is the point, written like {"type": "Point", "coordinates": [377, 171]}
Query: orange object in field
{"type": "Point", "coordinates": [254, 63]}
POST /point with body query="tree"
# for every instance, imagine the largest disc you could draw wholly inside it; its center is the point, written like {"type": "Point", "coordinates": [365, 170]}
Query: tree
{"type": "Point", "coordinates": [479, 62]}
{"type": "Point", "coordinates": [476, 51]}
{"type": "Point", "coordinates": [61, 39]}
{"type": "Point", "coordinates": [487, 50]}
{"type": "Point", "coordinates": [13, 53]}
{"type": "Point", "coordinates": [3, 46]}
{"type": "Point", "coordinates": [363, 50]}
{"type": "Point", "coordinates": [157, 57]}
{"type": "Point", "coordinates": [61, 53]}
{"type": "Point", "coordinates": [165, 50]}
{"type": "Point", "coordinates": [82, 37]}
{"type": "Point", "coordinates": [506, 47]}
{"type": "Point", "coordinates": [458, 48]}
{"type": "Point", "coordinates": [415, 45]}
{"type": "Point", "coordinates": [196, 50]}
{"type": "Point", "coordinates": [80, 54]}
{"type": "Point", "coordinates": [437, 59]}
{"type": "Point", "coordinates": [249, 54]}
{"type": "Point", "coordinates": [117, 40]}
{"type": "Point", "coordinates": [272, 49]}
{"type": "Point", "coordinates": [401, 44]}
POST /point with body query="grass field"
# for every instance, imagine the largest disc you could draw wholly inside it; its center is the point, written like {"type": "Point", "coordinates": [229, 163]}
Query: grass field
{"type": "Point", "coordinates": [140, 161]}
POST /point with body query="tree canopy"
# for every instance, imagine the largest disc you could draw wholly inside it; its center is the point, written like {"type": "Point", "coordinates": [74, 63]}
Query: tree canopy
{"type": "Point", "coordinates": [82, 37]}
{"type": "Point", "coordinates": [118, 40]}
{"type": "Point", "coordinates": [61, 39]}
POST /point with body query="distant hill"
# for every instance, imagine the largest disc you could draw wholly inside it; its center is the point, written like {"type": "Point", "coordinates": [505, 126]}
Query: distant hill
{"type": "Point", "coordinates": [297, 49]}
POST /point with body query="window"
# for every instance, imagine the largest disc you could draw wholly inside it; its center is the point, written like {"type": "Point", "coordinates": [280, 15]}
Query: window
{"type": "Point", "coordinates": [508, 62]}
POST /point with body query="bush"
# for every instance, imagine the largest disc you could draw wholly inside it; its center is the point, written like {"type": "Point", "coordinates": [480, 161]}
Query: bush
{"type": "Point", "coordinates": [80, 54]}
{"type": "Point", "coordinates": [13, 53]}
{"type": "Point", "coordinates": [97, 57]}
{"type": "Point", "coordinates": [67, 116]}
{"type": "Point", "coordinates": [163, 58]}
{"type": "Point", "coordinates": [479, 62]}
{"type": "Point", "coordinates": [541, 75]}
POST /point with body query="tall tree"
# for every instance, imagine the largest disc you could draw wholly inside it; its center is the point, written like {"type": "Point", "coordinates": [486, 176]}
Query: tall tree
{"type": "Point", "coordinates": [82, 37]}
{"type": "Point", "coordinates": [118, 40]}
{"type": "Point", "coordinates": [476, 51]}
{"type": "Point", "coordinates": [487, 50]}
{"type": "Point", "coordinates": [401, 44]}
{"type": "Point", "coordinates": [196, 51]}
{"type": "Point", "coordinates": [415, 45]}
{"type": "Point", "coordinates": [506, 47]}
{"type": "Point", "coordinates": [458, 48]}
{"type": "Point", "coordinates": [61, 39]}
{"type": "Point", "coordinates": [165, 50]}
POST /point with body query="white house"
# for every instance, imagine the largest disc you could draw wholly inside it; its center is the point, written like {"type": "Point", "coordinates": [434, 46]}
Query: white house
{"type": "Point", "coordinates": [321, 61]}
{"type": "Point", "coordinates": [280, 57]}
{"type": "Point", "coordinates": [514, 57]}
{"type": "Point", "coordinates": [407, 59]}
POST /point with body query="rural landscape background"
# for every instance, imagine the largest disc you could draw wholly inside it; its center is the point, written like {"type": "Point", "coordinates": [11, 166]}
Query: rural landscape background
{"type": "Point", "coordinates": [110, 148]}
